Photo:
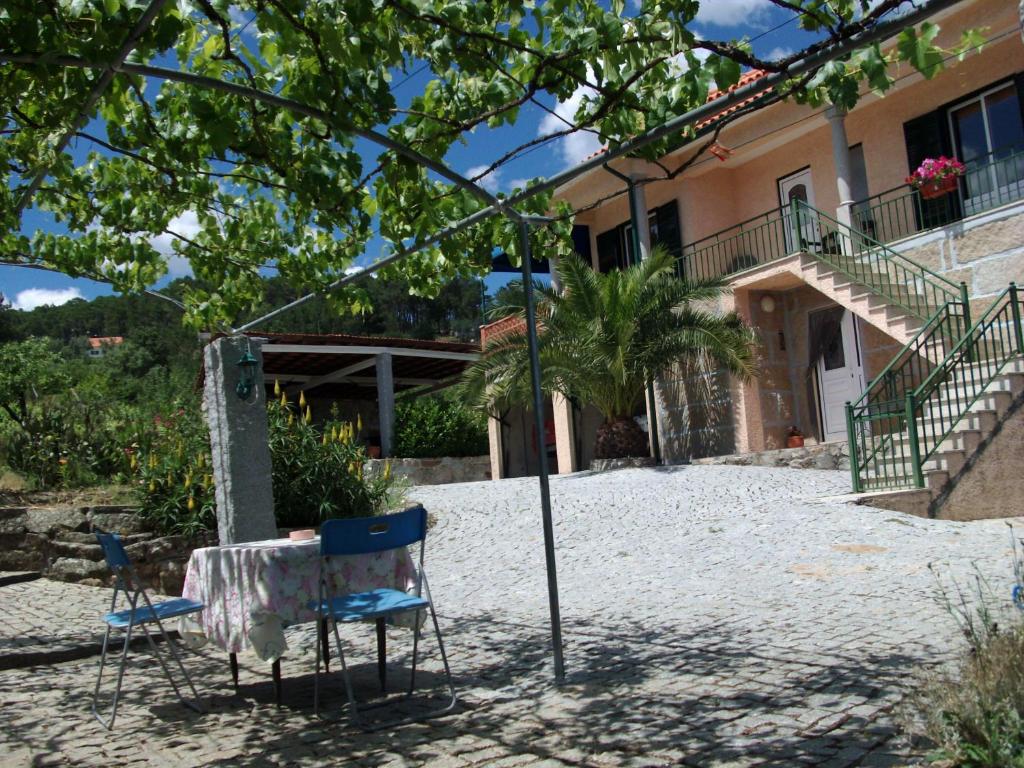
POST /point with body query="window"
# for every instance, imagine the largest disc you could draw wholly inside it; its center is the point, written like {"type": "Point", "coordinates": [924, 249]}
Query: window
{"type": "Point", "coordinates": [988, 137]}
{"type": "Point", "coordinates": [615, 246]}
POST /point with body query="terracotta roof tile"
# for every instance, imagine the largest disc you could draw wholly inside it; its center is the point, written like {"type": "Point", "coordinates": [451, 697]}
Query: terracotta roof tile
{"type": "Point", "coordinates": [745, 79]}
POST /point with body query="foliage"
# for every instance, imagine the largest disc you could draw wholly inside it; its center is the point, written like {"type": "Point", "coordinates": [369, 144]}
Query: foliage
{"type": "Point", "coordinates": [430, 427]}
{"type": "Point", "coordinates": [175, 474]}
{"type": "Point", "coordinates": [606, 335]}
{"type": "Point", "coordinates": [277, 170]}
{"type": "Point", "coordinates": [974, 715]}
{"type": "Point", "coordinates": [29, 370]}
{"type": "Point", "coordinates": [318, 471]}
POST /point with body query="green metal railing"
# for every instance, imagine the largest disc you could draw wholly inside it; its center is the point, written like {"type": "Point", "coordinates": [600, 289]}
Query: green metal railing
{"type": "Point", "coordinates": [914, 406]}
{"type": "Point", "coordinates": [885, 272]}
{"type": "Point", "coordinates": [800, 228]}
{"type": "Point", "coordinates": [990, 181]}
{"type": "Point", "coordinates": [875, 423]}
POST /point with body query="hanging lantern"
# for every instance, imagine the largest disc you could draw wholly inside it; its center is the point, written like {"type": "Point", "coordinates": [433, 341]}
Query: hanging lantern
{"type": "Point", "coordinates": [247, 366]}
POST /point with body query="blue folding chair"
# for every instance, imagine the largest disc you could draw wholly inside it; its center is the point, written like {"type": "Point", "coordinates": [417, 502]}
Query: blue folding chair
{"type": "Point", "coordinates": [136, 615]}
{"type": "Point", "coordinates": [362, 536]}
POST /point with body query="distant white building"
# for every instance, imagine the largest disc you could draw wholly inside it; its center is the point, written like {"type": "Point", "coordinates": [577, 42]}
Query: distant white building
{"type": "Point", "coordinates": [98, 345]}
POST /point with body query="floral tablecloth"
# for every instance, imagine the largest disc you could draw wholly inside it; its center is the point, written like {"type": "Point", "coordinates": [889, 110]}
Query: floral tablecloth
{"type": "Point", "coordinates": [252, 591]}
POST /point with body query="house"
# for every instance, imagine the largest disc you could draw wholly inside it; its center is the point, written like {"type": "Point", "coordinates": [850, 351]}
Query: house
{"type": "Point", "coordinates": [846, 271]}
{"type": "Point", "coordinates": [98, 345]}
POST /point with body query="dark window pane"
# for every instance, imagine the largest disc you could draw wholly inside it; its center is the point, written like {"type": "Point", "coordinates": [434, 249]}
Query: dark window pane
{"type": "Point", "coordinates": [970, 132]}
{"type": "Point", "coordinates": [834, 355]}
{"type": "Point", "coordinates": [1004, 121]}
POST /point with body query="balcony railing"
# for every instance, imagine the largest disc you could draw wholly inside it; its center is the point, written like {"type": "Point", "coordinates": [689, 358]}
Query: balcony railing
{"type": "Point", "coordinates": [897, 213]}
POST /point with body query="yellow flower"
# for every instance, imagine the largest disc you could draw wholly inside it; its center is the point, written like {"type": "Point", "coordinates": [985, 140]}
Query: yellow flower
{"type": "Point", "coordinates": [291, 418]}
{"type": "Point", "coordinates": [334, 433]}
{"type": "Point", "coordinates": [302, 399]}
{"type": "Point", "coordinates": [208, 480]}
{"type": "Point", "coordinates": [323, 440]}
{"type": "Point", "coordinates": [191, 504]}
{"type": "Point", "coordinates": [200, 460]}
{"type": "Point", "coordinates": [188, 480]}
{"type": "Point", "coordinates": [152, 486]}
{"type": "Point", "coordinates": [309, 414]}
{"type": "Point", "coordinates": [152, 461]}
{"type": "Point", "coordinates": [284, 399]}
{"type": "Point", "coordinates": [387, 469]}
{"type": "Point", "coordinates": [277, 388]}
{"type": "Point", "coordinates": [359, 423]}
{"type": "Point", "coordinates": [352, 467]}
{"type": "Point", "coordinates": [133, 462]}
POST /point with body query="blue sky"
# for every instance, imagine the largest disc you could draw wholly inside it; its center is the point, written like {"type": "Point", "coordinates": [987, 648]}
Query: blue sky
{"type": "Point", "coordinates": [718, 19]}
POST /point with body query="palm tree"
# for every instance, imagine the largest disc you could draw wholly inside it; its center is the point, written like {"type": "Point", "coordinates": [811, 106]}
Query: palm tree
{"type": "Point", "coordinates": [604, 337]}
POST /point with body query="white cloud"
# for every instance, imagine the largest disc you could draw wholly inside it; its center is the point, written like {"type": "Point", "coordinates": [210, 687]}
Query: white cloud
{"type": "Point", "coordinates": [779, 52]}
{"type": "Point", "coordinates": [575, 147]}
{"type": "Point", "coordinates": [354, 269]}
{"type": "Point", "coordinates": [491, 181]}
{"type": "Point", "coordinates": [733, 13]}
{"type": "Point", "coordinates": [31, 298]}
{"type": "Point", "coordinates": [186, 225]}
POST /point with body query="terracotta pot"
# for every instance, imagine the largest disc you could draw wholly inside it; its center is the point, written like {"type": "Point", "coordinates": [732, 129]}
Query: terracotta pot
{"type": "Point", "coordinates": [795, 441]}
{"type": "Point", "coordinates": [373, 451]}
{"type": "Point", "coordinates": [936, 189]}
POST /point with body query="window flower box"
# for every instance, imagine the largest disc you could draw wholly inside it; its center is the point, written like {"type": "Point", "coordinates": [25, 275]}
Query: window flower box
{"type": "Point", "coordinates": [936, 177]}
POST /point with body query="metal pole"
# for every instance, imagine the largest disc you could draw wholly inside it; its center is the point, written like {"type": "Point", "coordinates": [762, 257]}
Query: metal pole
{"type": "Point", "coordinates": [538, 416]}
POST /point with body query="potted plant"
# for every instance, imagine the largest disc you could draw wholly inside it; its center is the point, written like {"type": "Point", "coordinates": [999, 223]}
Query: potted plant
{"type": "Point", "coordinates": [794, 438]}
{"type": "Point", "coordinates": [936, 177]}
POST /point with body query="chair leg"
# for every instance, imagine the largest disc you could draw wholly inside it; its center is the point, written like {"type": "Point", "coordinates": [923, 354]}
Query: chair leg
{"type": "Point", "coordinates": [109, 724]}
{"type": "Point", "coordinates": [382, 654]}
{"type": "Point", "coordinates": [444, 659]}
{"type": "Point", "coordinates": [353, 709]}
{"type": "Point", "coordinates": [415, 648]}
{"type": "Point", "coordinates": [193, 705]}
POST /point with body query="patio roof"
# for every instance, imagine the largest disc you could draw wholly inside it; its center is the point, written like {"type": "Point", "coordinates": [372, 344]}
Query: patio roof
{"type": "Point", "coordinates": [343, 366]}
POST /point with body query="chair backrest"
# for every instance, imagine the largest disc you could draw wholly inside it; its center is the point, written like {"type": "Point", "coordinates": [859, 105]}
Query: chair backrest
{"type": "Point", "coordinates": [373, 534]}
{"type": "Point", "coordinates": [113, 550]}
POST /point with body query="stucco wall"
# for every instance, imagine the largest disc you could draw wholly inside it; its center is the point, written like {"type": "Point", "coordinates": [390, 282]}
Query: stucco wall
{"type": "Point", "coordinates": [784, 138]}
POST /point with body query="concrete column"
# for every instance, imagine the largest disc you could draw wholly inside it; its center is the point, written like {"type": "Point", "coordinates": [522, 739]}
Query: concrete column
{"type": "Point", "coordinates": [841, 160]}
{"type": "Point", "coordinates": [386, 403]}
{"type": "Point", "coordinates": [494, 448]}
{"type": "Point", "coordinates": [651, 397]}
{"type": "Point", "coordinates": [238, 444]}
{"type": "Point", "coordinates": [639, 214]}
{"type": "Point", "coordinates": [565, 434]}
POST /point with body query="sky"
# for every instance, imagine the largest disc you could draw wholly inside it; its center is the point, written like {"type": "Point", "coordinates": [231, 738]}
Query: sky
{"type": "Point", "coordinates": [759, 20]}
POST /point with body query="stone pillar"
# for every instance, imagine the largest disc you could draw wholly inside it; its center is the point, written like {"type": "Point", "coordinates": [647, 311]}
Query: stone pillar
{"type": "Point", "coordinates": [238, 444]}
{"type": "Point", "coordinates": [565, 434]}
{"type": "Point", "coordinates": [654, 392]}
{"type": "Point", "coordinates": [494, 447]}
{"type": "Point", "coordinates": [841, 160]}
{"type": "Point", "coordinates": [386, 403]}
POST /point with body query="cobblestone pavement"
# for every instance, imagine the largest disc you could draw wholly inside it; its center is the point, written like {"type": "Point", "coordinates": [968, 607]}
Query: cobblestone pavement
{"type": "Point", "coordinates": [713, 616]}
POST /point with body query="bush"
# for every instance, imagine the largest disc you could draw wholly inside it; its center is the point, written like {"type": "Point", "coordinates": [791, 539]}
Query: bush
{"type": "Point", "coordinates": [318, 472]}
{"type": "Point", "coordinates": [430, 427]}
{"type": "Point", "coordinates": [975, 716]}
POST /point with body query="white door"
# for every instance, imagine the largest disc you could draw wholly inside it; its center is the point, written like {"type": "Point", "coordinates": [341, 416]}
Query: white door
{"type": "Point", "coordinates": [840, 378]}
{"type": "Point", "coordinates": [797, 187]}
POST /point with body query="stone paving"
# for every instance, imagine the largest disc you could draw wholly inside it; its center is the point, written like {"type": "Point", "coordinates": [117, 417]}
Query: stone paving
{"type": "Point", "coordinates": [713, 616]}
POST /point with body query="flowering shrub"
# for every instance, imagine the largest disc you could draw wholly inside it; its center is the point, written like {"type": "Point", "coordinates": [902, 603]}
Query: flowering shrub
{"type": "Point", "coordinates": [933, 170]}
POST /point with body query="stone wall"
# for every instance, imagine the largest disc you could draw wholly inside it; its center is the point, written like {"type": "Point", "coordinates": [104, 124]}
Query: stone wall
{"type": "Point", "coordinates": [59, 543]}
{"type": "Point", "coordinates": [985, 251]}
{"type": "Point", "coordinates": [819, 456]}
{"type": "Point", "coordinates": [468, 469]}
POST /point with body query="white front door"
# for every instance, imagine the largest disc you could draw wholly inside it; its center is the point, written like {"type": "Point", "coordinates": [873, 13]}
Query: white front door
{"type": "Point", "coordinates": [797, 186]}
{"type": "Point", "coordinates": [840, 378]}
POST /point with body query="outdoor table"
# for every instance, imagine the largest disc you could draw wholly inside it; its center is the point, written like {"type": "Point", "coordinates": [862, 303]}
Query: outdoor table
{"type": "Point", "coordinates": [252, 591]}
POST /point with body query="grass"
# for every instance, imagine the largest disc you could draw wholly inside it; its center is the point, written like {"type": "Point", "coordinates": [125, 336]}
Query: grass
{"type": "Point", "coordinates": [112, 495]}
{"type": "Point", "coordinates": [973, 714]}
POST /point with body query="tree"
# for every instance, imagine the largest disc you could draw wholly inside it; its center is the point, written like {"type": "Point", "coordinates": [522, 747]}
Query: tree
{"type": "Point", "coordinates": [238, 130]}
{"type": "Point", "coordinates": [28, 370]}
{"type": "Point", "coordinates": [604, 337]}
